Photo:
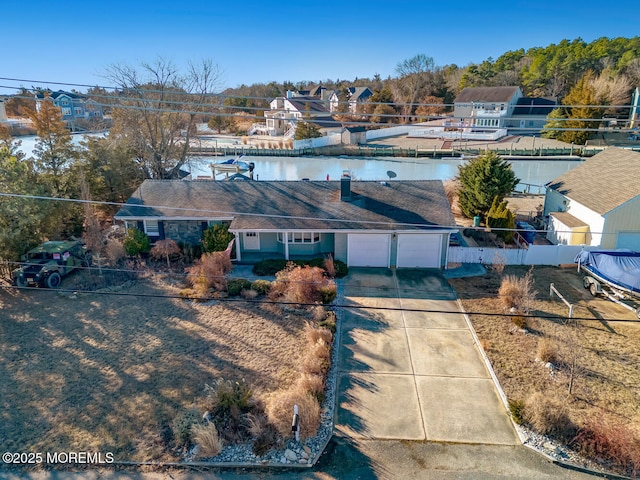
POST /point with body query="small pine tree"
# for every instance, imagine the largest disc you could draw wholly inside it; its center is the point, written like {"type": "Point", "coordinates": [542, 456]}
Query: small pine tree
{"type": "Point", "coordinates": [499, 216]}
{"type": "Point", "coordinates": [136, 242]}
{"type": "Point", "coordinates": [307, 130]}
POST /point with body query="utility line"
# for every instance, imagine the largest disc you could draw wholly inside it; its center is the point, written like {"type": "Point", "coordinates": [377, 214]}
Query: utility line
{"type": "Point", "coordinates": [305, 304]}
{"type": "Point", "coordinates": [224, 95]}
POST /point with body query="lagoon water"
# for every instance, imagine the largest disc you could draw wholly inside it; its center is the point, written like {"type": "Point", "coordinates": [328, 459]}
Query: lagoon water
{"type": "Point", "coordinates": [530, 172]}
{"type": "Point", "coordinates": [534, 173]}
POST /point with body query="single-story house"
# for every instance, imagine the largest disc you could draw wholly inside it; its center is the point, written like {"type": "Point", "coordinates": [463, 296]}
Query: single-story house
{"type": "Point", "coordinates": [597, 203]}
{"type": "Point", "coordinates": [362, 223]}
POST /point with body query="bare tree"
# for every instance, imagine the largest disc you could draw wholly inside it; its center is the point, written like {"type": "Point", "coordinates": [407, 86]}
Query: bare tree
{"type": "Point", "coordinates": [414, 82]}
{"type": "Point", "coordinates": [157, 108]}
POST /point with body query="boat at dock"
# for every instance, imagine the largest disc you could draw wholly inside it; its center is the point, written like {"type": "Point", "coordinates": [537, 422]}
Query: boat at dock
{"type": "Point", "coordinates": [232, 165]}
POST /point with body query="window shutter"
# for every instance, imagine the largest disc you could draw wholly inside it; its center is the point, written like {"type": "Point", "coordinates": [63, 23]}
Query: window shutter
{"type": "Point", "coordinates": [161, 230]}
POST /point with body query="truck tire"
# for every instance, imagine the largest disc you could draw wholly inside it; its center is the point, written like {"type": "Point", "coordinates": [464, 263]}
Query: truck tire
{"type": "Point", "coordinates": [53, 280]}
{"type": "Point", "coordinates": [21, 282]}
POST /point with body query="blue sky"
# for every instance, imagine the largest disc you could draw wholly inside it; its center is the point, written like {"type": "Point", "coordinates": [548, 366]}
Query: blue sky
{"type": "Point", "coordinates": [260, 41]}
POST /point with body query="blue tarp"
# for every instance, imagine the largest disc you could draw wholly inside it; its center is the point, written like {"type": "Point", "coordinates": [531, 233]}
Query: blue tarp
{"type": "Point", "coordinates": [618, 267]}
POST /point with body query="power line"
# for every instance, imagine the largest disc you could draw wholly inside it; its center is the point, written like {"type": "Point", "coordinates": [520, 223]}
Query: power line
{"type": "Point", "coordinates": [304, 304]}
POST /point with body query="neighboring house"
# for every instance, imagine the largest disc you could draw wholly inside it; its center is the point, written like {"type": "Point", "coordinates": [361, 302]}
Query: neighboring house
{"type": "Point", "coordinates": [479, 109]}
{"type": "Point", "coordinates": [356, 97]}
{"type": "Point", "coordinates": [597, 203]}
{"type": "Point", "coordinates": [363, 223]}
{"type": "Point", "coordinates": [73, 106]}
{"type": "Point", "coordinates": [286, 112]}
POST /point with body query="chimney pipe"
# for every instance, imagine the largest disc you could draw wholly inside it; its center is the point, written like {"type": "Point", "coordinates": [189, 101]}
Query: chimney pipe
{"type": "Point", "coordinates": [345, 187]}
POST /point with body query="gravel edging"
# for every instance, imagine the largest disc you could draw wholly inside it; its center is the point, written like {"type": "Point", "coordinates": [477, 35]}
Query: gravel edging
{"type": "Point", "coordinates": [293, 454]}
{"type": "Point", "coordinates": [551, 449]}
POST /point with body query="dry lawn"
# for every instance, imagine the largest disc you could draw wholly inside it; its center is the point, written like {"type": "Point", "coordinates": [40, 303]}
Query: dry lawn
{"type": "Point", "coordinates": [604, 355]}
{"type": "Point", "coordinates": [109, 373]}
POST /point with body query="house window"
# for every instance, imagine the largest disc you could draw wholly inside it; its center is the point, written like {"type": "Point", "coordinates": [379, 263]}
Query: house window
{"type": "Point", "coordinates": [77, 111]}
{"type": "Point", "coordinates": [300, 237]}
{"type": "Point", "coordinates": [66, 111]}
{"type": "Point", "coordinates": [151, 228]}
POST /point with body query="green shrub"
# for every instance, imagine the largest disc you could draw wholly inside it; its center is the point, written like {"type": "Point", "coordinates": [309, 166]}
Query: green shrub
{"type": "Point", "coordinates": [329, 323]}
{"type": "Point", "coordinates": [341, 268]}
{"type": "Point", "coordinates": [236, 285]}
{"type": "Point", "coordinates": [224, 396]}
{"type": "Point", "coordinates": [269, 267]}
{"type": "Point", "coordinates": [136, 242]}
{"type": "Point", "coordinates": [500, 216]}
{"type": "Point", "coordinates": [516, 407]}
{"type": "Point", "coordinates": [182, 426]}
{"type": "Point", "coordinates": [272, 266]}
{"type": "Point", "coordinates": [216, 238]}
{"type": "Point", "coordinates": [261, 286]}
{"type": "Point", "coordinates": [328, 293]}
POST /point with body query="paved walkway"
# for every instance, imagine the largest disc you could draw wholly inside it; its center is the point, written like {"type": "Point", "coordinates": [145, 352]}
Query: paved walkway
{"type": "Point", "coordinates": [405, 372]}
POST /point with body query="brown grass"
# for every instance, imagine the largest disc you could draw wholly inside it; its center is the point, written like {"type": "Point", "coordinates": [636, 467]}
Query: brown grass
{"type": "Point", "coordinates": [280, 411]}
{"type": "Point", "coordinates": [110, 373]}
{"type": "Point", "coordinates": [547, 351]}
{"type": "Point", "coordinates": [452, 189]}
{"type": "Point", "coordinates": [115, 250]}
{"type": "Point", "coordinates": [605, 352]}
{"type": "Point", "coordinates": [301, 285]}
{"type": "Point", "coordinates": [517, 292]}
{"type": "Point", "coordinates": [604, 437]}
{"type": "Point", "coordinates": [549, 416]}
{"type": "Point", "coordinates": [209, 272]}
{"type": "Point", "coordinates": [206, 436]}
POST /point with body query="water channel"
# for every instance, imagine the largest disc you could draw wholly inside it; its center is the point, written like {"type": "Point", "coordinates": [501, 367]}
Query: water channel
{"type": "Point", "coordinates": [533, 174]}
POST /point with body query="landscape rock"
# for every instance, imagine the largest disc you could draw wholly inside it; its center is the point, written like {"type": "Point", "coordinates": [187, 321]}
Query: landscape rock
{"type": "Point", "coordinates": [290, 455]}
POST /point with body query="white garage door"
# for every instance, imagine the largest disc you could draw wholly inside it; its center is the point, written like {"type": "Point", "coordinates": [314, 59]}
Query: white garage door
{"type": "Point", "coordinates": [368, 249]}
{"type": "Point", "coordinates": [419, 250]}
{"type": "Point", "coordinates": [630, 240]}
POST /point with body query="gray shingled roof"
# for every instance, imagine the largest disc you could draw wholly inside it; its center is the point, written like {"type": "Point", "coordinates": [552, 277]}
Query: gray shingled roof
{"type": "Point", "coordinates": [486, 94]}
{"type": "Point", "coordinates": [300, 205]}
{"type": "Point", "coordinates": [604, 181]}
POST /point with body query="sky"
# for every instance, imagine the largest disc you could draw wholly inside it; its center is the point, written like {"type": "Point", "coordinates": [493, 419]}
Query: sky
{"type": "Point", "coordinates": [74, 42]}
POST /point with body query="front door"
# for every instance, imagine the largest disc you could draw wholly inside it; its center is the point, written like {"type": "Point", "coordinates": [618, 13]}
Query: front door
{"type": "Point", "coordinates": [251, 241]}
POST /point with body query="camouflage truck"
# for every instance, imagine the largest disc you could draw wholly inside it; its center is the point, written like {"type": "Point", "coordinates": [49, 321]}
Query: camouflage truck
{"type": "Point", "coordinates": [46, 264]}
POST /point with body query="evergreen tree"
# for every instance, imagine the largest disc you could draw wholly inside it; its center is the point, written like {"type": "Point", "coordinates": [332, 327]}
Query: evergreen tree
{"type": "Point", "coordinates": [307, 130]}
{"type": "Point", "coordinates": [482, 180]}
{"type": "Point", "coordinates": [499, 216]}
{"type": "Point", "coordinates": [555, 124]}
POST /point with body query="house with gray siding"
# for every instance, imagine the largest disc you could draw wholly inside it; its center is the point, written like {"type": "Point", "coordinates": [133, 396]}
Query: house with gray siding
{"type": "Point", "coordinates": [597, 203]}
{"type": "Point", "coordinates": [362, 223]}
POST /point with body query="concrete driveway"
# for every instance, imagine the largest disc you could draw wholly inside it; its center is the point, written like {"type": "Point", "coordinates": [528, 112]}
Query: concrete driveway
{"type": "Point", "coordinates": [408, 372]}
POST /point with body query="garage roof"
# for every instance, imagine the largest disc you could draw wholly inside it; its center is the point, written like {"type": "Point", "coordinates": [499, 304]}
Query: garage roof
{"type": "Point", "coordinates": [304, 205]}
{"type": "Point", "coordinates": [603, 182]}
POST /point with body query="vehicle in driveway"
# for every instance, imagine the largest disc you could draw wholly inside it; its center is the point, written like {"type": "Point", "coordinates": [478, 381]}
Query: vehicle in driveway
{"type": "Point", "coordinates": [46, 264]}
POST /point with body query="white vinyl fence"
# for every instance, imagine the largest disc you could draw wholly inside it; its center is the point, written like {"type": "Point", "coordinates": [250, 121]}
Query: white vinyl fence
{"type": "Point", "coordinates": [334, 139]}
{"type": "Point", "coordinates": [534, 255]}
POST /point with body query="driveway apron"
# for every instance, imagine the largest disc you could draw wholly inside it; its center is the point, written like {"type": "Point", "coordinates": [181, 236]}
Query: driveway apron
{"type": "Point", "coordinates": [408, 371]}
